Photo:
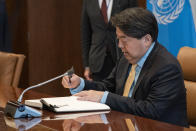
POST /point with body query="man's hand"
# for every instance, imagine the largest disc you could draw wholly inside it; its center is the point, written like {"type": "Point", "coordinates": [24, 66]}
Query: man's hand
{"type": "Point", "coordinates": [87, 73]}
{"type": "Point", "coordinates": [72, 82]}
{"type": "Point", "coordinates": [90, 95]}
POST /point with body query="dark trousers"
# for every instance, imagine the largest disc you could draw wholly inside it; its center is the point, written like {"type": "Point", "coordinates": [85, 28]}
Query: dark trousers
{"type": "Point", "coordinates": [106, 69]}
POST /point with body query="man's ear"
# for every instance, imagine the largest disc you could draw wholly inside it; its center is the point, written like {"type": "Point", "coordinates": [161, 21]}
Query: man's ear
{"type": "Point", "coordinates": [148, 40]}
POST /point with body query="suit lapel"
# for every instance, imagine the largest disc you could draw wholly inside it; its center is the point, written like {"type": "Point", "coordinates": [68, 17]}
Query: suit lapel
{"type": "Point", "coordinates": [97, 5]}
{"type": "Point", "coordinates": [141, 76]}
{"type": "Point", "coordinates": [115, 7]}
{"type": "Point", "coordinates": [145, 68]}
{"type": "Point", "coordinates": [123, 75]}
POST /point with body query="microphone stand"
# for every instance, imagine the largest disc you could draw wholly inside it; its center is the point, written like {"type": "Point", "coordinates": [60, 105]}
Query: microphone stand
{"type": "Point", "coordinates": [38, 85]}
{"type": "Point", "coordinates": [18, 110]}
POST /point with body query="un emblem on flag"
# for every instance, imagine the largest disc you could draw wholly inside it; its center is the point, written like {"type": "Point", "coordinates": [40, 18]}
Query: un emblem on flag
{"type": "Point", "coordinates": [166, 11]}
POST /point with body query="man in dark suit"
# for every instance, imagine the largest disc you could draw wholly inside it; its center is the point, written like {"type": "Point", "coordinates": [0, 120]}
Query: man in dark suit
{"type": "Point", "coordinates": [147, 80]}
{"type": "Point", "coordinates": [98, 36]}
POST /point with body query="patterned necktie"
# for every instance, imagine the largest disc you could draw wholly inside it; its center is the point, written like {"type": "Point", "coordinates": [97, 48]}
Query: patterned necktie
{"type": "Point", "coordinates": [104, 11]}
{"type": "Point", "coordinates": [129, 80]}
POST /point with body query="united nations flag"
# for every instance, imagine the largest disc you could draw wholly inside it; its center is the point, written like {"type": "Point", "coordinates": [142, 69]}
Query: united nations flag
{"type": "Point", "coordinates": [177, 22]}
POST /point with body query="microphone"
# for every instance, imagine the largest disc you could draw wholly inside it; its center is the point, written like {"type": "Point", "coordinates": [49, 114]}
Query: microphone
{"type": "Point", "coordinates": [19, 110]}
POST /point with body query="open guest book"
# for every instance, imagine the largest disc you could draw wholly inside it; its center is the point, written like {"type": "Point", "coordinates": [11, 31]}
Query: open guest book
{"type": "Point", "coordinates": [66, 104]}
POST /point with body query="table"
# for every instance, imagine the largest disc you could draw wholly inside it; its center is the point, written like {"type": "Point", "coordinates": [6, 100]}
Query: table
{"type": "Point", "coordinates": [85, 121]}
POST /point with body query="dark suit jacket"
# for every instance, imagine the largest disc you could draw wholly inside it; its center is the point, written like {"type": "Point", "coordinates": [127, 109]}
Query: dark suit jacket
{"type": "Point", "coordinates": [96, 34]}
{"type": "Point", "coordinates": [158, 94]}
{"type": "Point", "coordinates": [5, 38]}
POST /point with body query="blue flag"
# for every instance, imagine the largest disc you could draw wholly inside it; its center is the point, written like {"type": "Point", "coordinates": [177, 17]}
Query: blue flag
{"type": "Point", "coordinates": [176, 23]}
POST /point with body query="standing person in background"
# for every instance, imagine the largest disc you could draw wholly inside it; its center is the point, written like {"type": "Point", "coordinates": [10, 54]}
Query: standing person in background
{"type": "Point", "coordinates": [5, 40]}
{"type": "Point", "coordinates": [98, 36]}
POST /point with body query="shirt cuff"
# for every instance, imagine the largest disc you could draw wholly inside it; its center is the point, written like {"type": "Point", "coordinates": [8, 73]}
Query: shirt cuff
{"type": "Point", "coordinates": [104, 97]}
{"type": "Point", "coordinates": [79, 88]}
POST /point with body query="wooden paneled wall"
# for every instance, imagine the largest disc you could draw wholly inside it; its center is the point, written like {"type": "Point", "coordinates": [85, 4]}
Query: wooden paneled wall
{"type": "Point", "coordinates": [17, 17]}
{"type": "Point", "coordinates": [54, 36]}
{"type": "Point", "coordinates": [48, 33]}
{"type": "Point", "coordinates": [142, 3]}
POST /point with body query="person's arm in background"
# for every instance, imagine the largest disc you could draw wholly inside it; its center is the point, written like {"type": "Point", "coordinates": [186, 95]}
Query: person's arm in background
{"type": "Point", "coordinates": [86, 34]}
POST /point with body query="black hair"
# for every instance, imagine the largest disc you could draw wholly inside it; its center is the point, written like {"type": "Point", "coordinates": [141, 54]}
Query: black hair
{"type": "Point", "coordinates": [136, 22]}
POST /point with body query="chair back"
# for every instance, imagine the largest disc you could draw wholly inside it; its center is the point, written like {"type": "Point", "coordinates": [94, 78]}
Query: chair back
{"type": "Point", "coordinates": [10, 68]}
{"type": "Point", "coordinates": [187, 59]}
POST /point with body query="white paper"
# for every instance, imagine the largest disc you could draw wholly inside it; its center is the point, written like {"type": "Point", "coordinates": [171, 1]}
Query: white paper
{"type": "Point", "coordinates": [70, 104]}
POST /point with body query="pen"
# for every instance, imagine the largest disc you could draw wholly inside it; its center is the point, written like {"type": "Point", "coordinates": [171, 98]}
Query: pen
{"type": "Point", "coordinates": [70, 78]}
{"type": "Point", "coordinates": [58, 106]}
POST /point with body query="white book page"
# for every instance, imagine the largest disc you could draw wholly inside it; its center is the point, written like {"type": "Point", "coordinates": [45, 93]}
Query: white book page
{"type": "Point", "coordinates": [34, 103]}
{"type": "Point", "coordinates": [70, 104]}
